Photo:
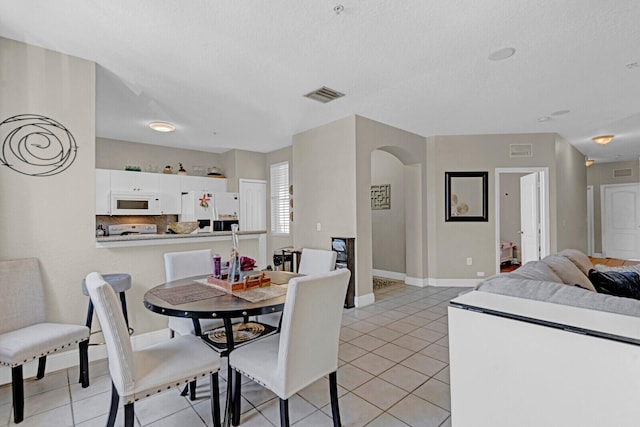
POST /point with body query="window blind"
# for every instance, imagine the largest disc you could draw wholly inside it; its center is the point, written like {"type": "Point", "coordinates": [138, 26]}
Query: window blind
{"type": "Point", "coordinates": [280, 198]}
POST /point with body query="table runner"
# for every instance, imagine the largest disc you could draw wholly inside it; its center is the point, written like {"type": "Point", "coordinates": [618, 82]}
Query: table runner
{"type": "Point", "coordinates": [188, 293]}
{"type": "Point", "coordinates": [253, 294]}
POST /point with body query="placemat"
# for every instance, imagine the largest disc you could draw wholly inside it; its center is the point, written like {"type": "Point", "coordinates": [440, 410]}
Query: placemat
{"type": "Point", "coordinates": [188, 293]}
{"type": "Point", "coordinates": [241, 332]}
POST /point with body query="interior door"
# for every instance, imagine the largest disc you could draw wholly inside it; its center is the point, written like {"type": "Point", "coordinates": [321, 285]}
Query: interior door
{"type": "Point", "coordinates": [530, 217]}
{"type": "Point", "coordinates": [621, 221]}
{"type": "Point", "coordinates": [253, 205]}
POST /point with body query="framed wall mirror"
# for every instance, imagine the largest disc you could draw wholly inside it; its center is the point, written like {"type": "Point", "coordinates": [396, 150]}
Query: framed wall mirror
{"type": "Point", "coordinates": [466, 196]}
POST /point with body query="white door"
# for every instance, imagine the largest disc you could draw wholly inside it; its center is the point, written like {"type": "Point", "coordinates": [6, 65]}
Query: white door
{"type": "Point", "coordinates": [590, 232]}
{"type": "Point", "coordinates": [529, 217]}
{"type": "Point", "coordinates": [253, 205]}
{"type": "Point", "coordinates": [621, 221]}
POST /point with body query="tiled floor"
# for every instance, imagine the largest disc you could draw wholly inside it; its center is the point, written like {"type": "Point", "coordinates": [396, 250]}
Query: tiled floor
{"type": "Point", "coordinates": [393, 371]}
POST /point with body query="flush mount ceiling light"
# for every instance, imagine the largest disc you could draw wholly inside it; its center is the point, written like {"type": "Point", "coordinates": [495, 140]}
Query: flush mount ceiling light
{"type": "Point", "coordinates": [544, 119]}
{"type": "Point", "coordinates": [589, 162]}
{"type": "Point", "coordinates": [162, 126]}
{"type": "Point", "coordinates": [602, 139]}
{"type": "Point", "coordinates": [502, 54]}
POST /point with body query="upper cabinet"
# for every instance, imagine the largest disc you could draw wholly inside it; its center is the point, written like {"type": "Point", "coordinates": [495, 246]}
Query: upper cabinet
{"type": "Point", "coordinates": [170, 187]}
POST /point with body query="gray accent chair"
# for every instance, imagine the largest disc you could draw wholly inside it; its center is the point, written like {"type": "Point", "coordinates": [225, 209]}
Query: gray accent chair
{"type": "Point", "coordinates": [154, 369]}
{"type": "Point", "coordinates": [25, 334]}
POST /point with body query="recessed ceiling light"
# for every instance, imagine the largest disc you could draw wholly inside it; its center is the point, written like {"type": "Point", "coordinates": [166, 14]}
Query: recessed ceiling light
{"type": "Point", "coordinates": [501, 54]}
{"type": "Point", "coordinates": [560, 112]}
{"type": "Point", "coordinates": [544, 119]}
{"type": "Point", "coordinates": [602, 139]}
{"type": "Point", "coordinates": [162, 126]}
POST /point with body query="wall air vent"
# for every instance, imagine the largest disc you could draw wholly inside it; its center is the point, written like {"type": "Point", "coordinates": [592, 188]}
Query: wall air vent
{"type": "Point", "coordinates": [622, 173]}
{"type": "Point", "coordinates": [324, 95]}
{"type": "Point", "coordinates": [520, 150]}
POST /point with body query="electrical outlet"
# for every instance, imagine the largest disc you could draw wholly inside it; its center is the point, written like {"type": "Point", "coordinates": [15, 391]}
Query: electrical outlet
{"type": "Point", "coordinates": [480, 273]}
{"type": "Point", "coordinates": [469, 261]}
{"type": "Point", "coordinates": [318, 226]}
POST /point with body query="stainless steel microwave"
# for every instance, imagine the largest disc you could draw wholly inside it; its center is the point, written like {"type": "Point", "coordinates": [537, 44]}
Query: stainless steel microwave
{"type": "Point", "coordinates": [136, 204]}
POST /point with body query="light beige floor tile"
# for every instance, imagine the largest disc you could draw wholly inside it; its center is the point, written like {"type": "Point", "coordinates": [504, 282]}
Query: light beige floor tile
{"type": "Point", "coordinates": [403, 377]}
{"type": "Point", "coordinates": [349, 352]}
{"type": "Point", "coordinates": [435, 392]}
{"type": "Point", "coordinates": [317, 419]}
{"type": "Point", "coordinates": [46, 401]}
{"type": "Point", "coordinates": [443, 376]}
{"type": "Point", "coordinates": [60, 416]}
{"type": "Point", "coordinates": [393, 352]}
{"type": "Point", "coordinates": [417, 412]}
{"type": "Point", "coordinates": [5, 413]}
{"type": "Point", "coordinates": [361, 314]}
{"type": "Point", "coordinates": [254, 418]}
{"type": "Point", "coordinates": [351, 377]}
{"type": "Point", "coordinates": [441, 310]}
{"type": "Point", "coordinates": [444, 341]}
{"type": "Point", "coordinates": [373, 363]}
{"type": "Point", "coordinates": [437, 352]}
{"type": "Point", "coordinates": [417, 321]}
{"type": "Point", "coordinates": [355, 411]}
{"type": "Point", "coordinates": [426, 334]}
{"type": "Point", "coordinates": [368, 342]}
{"type": "Point", "coordinates": [298, 409]}
{"type": "Point", "coordinates": [91, 407]}
{"type": "Point", "coordinates": [380, 393]}
{"type": "Point", "coordinates": [446, 423]}
{"type": "Point", "coordinates": [257, 394]}
{"type": "Point", "coordinates": [347, 320]}
{"type": "Point", "coordinates": [385, 334]}
{"type": "Point", "coordinates": [51, 381]}
{"type": "Point", "coordinates": [186, 417]}
{"type": "Point", "coordinates": [394, 314]}
{"type": "Point", "coordinates": [347, 334]}
{"type": "Point", "coordinates": [408, 309]}
{"type": "Point", "coordinates": [101, 420]}
{"type": "Point", "coordinates": [97, 386]}
{"type": "Point", "coordinates": [363, 326]}
{"type": "Point", "coordinates": [160, 405]}
{"type": "Point", "coordinates": [411, 343]}
{"type": "Point", "coordinates": [380, 320]}
{"type": "Point", "coordinates": [438, 327]}
{"type": "Point", "coordinates": [386, 420]}
{"type": "Point", "coordinates": [318, 393]}
{"type": "Point", "coordinates": [423, 364]}
{"type": "Point", "coordinates": [203, 408]}
{"type": "Point", "coordinates": [401, 326]}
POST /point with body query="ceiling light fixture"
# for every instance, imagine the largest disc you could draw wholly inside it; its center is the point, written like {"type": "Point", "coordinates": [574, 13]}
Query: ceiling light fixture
{"type": "Point", "coordinates": [589, 162]}
{"type": "Point", "coordinates": [602, 139]}
{"type": "Point", "coordinates": [544, 119]}
{"type": "Point", "coordinates": [162, 126]}
{"type": "Point", "coordinates": [501, 54]}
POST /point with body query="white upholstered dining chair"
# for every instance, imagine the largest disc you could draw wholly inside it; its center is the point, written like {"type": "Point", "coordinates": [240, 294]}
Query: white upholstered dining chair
{"type": "Point", "coordinates": [25, 334]}
{"type": "Point", "coordinates": [315, 261]}
{"type": "Point", "coordinates": [139, 374]}
{"type": "Point", "coordinates": [305, 350]}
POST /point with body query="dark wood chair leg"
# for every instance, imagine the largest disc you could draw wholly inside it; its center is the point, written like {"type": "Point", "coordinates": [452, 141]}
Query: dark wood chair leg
{"type": "Point", "coordinates": [237, 388]}
{"type": "Point", "coordinates": [42, 364]}
{"type": "Point", "coordinates": [192, 390]}
{"type": "Point", "coordinates": [284, 413]}
{"type": "Point", "coordinates": [215, 399]}
{"type": "Point", "coordinates": [84, 363]}
{"type": "Point", "coordinates": [113, 409]}
{"type": "Point", "coordinates": [333, 392]}
{"type": "Point", "coordinates": [128, 415]}
{"type": "Point", "coordinates": [17, 388]}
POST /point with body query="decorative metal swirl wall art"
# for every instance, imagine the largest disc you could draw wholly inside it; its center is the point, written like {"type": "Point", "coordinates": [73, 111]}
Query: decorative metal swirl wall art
{"type": "Point", "coordinates": [36, 145]}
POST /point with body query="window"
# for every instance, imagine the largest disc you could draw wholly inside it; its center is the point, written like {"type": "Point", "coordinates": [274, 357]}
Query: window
{"type": "Point", "coordinates": [280, 198]}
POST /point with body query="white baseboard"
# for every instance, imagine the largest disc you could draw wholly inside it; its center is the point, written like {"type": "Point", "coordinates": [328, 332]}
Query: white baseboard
{"type": "Point", "coordinates": [414, 281]}
{"type": "Point", "coordinates": [68, 359]}
{"type": "Point", "coordinates": [597, 255]}
{"type": "Point", "coordinates": [455, 283]}
{"type": "Point", "coordinates": [388, 274]}
{"type": "Point", "coordinates": [364, 300]}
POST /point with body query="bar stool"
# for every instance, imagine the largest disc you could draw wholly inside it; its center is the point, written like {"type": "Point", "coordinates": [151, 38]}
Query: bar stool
{"type": "Point", "coordinates": [120, 282]}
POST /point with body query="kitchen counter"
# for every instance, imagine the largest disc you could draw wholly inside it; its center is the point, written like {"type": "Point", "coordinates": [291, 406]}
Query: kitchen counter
{"type": "Point", "coordinates": [130, 240]}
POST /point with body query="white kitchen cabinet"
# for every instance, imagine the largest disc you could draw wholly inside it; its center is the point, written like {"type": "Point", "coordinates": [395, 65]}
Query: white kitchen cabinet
{"type": "Point", "coordinates": [202, 183]}
{"type": "Point", "coordinates": [169, 187]}
{"type": "Point", "coordinates": [135, 181]}
{"type": "Point", "coordinates": [103, 192]}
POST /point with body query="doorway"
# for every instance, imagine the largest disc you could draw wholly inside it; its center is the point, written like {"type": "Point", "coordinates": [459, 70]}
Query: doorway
{"type": "Point", "coordinates": [620, 204]}
{"type": "Point", "coordinates": [533, 198]}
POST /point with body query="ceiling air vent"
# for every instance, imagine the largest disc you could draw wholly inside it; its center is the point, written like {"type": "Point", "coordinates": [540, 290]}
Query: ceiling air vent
{"type": "Point", "coordinates": [621, 173]}
{"type": "Point", "coordinates": [520, 150]}
{"type": "Point", "coordinates": [324, 95]}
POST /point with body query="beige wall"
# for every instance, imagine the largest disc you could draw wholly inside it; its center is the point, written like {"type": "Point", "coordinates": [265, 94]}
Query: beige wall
{"type": "Point", "coordinates": [276, 242]}
{"type": "Point", "coordinates": [600, 174]}
{"type": "Point", "coordinates": [239, 164]}
{"type": "Point", "coordinates": [388, 225]}
{"type": "Point", "coordinates": [450, 243]}
{"type": "Point", "coordinates": [571, 188]}
{"type": "Point", "coordinates": [116, 154]}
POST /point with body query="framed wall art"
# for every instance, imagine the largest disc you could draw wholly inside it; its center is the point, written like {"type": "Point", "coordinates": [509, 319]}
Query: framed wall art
{"type": "Point", "coordinates": [466, 196]}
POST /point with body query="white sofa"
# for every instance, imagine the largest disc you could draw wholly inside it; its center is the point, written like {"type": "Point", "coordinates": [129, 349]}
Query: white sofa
{"type": "Point", "coordinates": [528, 350]}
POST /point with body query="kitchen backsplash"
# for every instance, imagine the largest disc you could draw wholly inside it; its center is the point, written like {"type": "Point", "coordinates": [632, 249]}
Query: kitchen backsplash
{"type": "Point", "coordinates": [161, 221]}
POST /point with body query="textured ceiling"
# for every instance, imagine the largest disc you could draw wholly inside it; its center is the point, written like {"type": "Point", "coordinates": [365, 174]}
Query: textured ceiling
{"type": "Point", "coordinates": [231, 74]}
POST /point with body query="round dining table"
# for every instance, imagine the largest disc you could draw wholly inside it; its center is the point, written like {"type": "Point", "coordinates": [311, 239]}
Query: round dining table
{"type": "Point", "coordinates": [169, 300]}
